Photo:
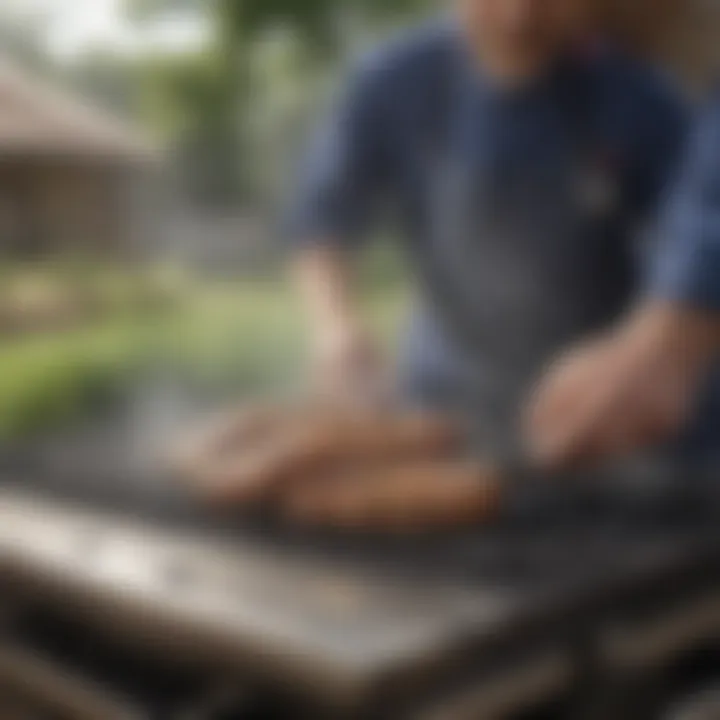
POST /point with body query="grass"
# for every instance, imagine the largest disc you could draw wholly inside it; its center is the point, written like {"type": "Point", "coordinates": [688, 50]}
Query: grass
{"type": "Point", "coordinates": [37, 298]}
{"type": "Point", "coordinates": [49, 380]}
{"type": "Point", "coordinates": [252, 335]}
{"type": "Point", "coordinates": [233, 337]}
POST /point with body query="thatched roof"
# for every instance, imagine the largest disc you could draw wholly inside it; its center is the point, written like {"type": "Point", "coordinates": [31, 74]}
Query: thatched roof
{"type": "Point", "coordinates": [39, 120]}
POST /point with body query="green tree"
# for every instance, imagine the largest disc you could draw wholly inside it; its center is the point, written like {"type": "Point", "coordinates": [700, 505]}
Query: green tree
{"type": "Point", "coordinates": [215, 94]}
{"type": "Point", "coordinates": [106, 77]}
{"type": "Point", "coordinates": [21, 38]}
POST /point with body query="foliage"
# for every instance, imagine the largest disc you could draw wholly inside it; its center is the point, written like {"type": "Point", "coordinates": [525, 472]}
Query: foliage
{"type": "Point", "coordinates": [109, 78]}
{"type": "Point", "coordinates": [21, 37]}
{"type": "Point", "coordinates": [225, 338]}
{"type": "Point", "coordinates": [41, 298]}
{"type": "Point", "coordinates": [313, 19]}
{"type": "Point", "coordinates": [207, 98]}
{"type": "Point", "coordinates": [47, 381]}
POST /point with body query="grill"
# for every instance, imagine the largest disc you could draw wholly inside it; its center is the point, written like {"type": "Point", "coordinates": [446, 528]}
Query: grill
{"type": "Point", "coordinates": [570, 595]}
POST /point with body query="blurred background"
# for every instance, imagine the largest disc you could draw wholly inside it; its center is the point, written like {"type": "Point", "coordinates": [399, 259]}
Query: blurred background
{"type": "Point", "coordinates": [146, 145]}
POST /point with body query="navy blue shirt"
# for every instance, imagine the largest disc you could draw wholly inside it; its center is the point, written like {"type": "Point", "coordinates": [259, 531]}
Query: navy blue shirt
{"type": "Point", "coordinates": [521, 209]}
{"type": "Point", "coordinates": [687, 267]}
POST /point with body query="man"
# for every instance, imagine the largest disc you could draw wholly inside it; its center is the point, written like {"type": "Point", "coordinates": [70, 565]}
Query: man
{"type": "Point", "coordinates": [522, 161]}
{"type": "Point", "coordinates": [646, 380]}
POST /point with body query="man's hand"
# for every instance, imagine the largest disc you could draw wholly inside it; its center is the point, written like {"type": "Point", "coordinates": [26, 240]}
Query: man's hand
{"type": "Point", "coordinates": [348, 364]}
{"type": "Point", "coordinates": [623, 392]}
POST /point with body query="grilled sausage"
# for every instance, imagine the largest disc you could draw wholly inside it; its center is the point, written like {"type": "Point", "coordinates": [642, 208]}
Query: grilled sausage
{"type": "Point", "coordinates": [255, 456]}
{"type": "Point", "coordinates": [221, 438]}
{"type": "Point", "coordinates": [248, 476]}
{"type": "Point", "coordinates": [256, 471]}
{"type": "Point", "coordinates": [405, 496]}
{"type": "Point", "coordinates": [337, 439]}
{"type": "Point", "coordinates": [396, 436]}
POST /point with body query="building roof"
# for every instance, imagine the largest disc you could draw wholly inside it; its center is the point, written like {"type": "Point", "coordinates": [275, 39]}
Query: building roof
{"type": "Point", "coordinates": [39, 119]}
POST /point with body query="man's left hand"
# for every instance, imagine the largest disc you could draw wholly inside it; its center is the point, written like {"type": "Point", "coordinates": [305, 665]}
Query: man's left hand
{"type": "Point", "coordinates": [623, 392]}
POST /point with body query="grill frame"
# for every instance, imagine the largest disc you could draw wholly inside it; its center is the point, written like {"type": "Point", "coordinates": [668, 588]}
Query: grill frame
{"type": "Point", "coordinates": [121, 572]}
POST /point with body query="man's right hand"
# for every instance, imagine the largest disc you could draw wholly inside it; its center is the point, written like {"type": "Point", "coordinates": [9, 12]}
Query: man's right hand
{"type": "Point", "coordinates": [346, 360]}
{"type": "Point", "coordinates": [348, 365]}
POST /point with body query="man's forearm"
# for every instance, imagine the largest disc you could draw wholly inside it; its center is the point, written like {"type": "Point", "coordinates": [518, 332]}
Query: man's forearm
{"type": "Point", "coordinates": [344, 354]}
{"type": "Point", "coordinates": [687, 337]}
{"type": "Point", "coordinates": [325, 280]}
{"type": "Point", "coordinates": [633, 388]}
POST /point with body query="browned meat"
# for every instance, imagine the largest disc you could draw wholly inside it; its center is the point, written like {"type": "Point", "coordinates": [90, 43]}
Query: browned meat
{"type": "Point", "coordinates": [223, 436]}
{"type": "Point", "coordinates": [400, 497]}
{"type": "Point", "coordinates": [267, 453]}
{"type": "Point", "coordinates": [372, 437]}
